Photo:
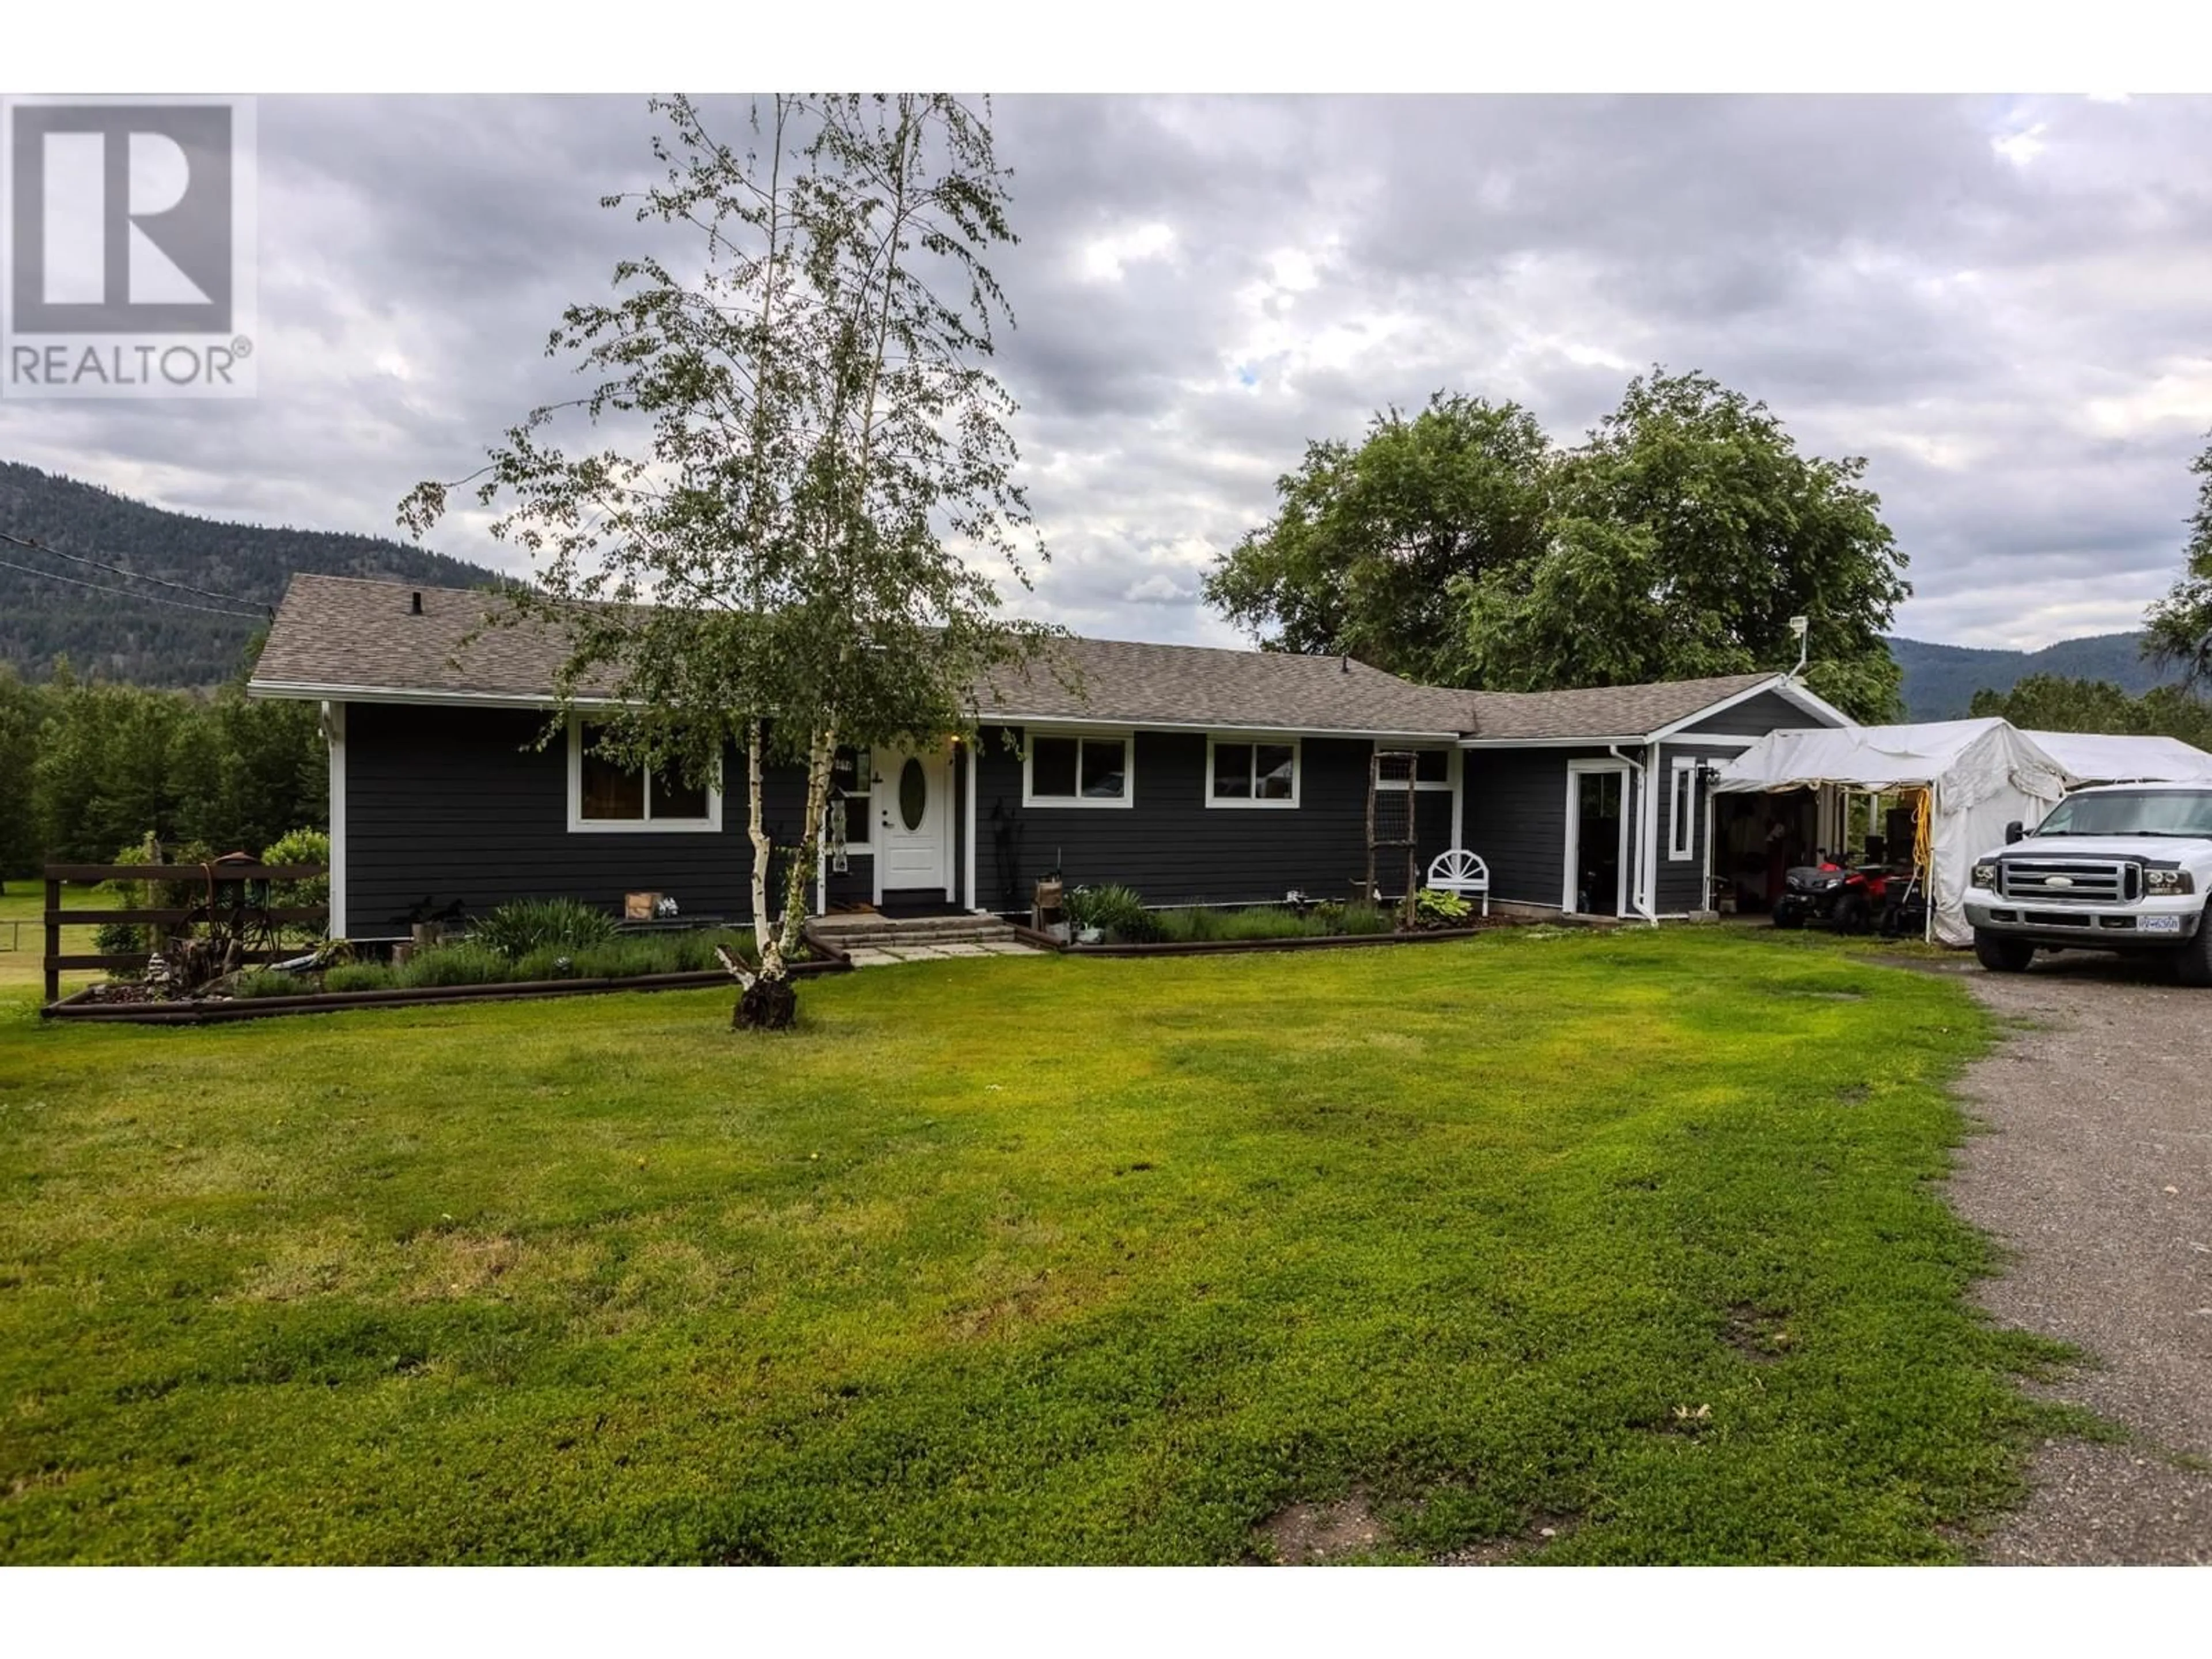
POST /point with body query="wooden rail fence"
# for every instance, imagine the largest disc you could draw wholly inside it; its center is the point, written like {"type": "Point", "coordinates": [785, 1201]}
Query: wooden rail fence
{"type": "Point", "coordinates": [228, 901]}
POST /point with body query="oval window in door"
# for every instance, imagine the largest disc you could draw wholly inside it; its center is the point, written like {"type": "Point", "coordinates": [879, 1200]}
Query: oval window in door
{"type": "Point", "coordinates": [914, 793]}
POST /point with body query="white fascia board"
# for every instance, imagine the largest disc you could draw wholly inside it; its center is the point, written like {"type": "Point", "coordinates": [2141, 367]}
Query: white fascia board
{"type": "Point", "coordinates": [317, 692]}
{"type": "Point", "coordinates": [1547, 743]}
{"type": "Point", "coordinates": [1086, 723]}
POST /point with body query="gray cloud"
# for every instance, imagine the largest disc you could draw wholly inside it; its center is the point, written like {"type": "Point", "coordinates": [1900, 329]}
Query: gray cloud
{"type": "Point", "coordinates": [2000, 302]}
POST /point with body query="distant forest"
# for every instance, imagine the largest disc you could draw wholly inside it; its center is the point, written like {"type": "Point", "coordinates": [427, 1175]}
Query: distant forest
{"type": "Point", "coordinates": [132, 631]}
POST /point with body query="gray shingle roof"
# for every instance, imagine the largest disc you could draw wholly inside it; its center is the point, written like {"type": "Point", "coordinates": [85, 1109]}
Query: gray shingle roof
{"type": "Point", "coordinates": [338, 634]}
{"type": "Point", "coordinates": [1204, 685]}
{"type": "Point", "coordinates": [1610, 711]}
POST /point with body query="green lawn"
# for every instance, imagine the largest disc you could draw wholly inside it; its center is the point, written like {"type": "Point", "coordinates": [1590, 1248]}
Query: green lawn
{"type": "Point", "coordinates": [1015, 1259]}
{"type": "Point", "coordinates": [22, 967]}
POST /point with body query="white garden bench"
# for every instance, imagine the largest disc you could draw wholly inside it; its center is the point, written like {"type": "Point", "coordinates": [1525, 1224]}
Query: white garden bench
{"type": "Point", "coordinates": [1460, 871]}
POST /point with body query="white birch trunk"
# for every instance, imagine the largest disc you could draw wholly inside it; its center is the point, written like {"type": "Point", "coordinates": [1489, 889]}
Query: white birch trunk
{"type": "Point", "coordinates": [766, 938]}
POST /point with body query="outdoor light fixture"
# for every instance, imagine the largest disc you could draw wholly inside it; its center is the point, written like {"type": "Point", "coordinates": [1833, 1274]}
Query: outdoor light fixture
{"type": "Point", "coordinates": [1797, 626]}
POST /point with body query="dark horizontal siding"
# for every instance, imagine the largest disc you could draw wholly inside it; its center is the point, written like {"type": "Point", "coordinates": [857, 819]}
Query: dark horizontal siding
{"type": "Point", "coordinates": [444, 805]}
{"type": "Point", "coordinates": [1770, 711]}
{"type": "Point", "coordinates": [1173, 848]}
{"type": "Point", "coordinates": [1515, 819]}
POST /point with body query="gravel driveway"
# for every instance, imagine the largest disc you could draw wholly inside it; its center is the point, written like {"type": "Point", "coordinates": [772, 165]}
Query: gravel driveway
{"type": "Point", "coordinates": [2098, 1177]}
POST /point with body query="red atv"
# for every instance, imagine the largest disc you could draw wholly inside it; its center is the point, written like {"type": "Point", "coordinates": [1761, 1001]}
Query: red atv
{"type": "Point", "coordinates": [1837, 895]}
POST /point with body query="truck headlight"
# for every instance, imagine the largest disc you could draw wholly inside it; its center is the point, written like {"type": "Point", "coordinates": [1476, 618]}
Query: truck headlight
{"type": "Point", "coordinates": [1985, 876]}
{"type": "Point", "coordinates": [2158, 882]}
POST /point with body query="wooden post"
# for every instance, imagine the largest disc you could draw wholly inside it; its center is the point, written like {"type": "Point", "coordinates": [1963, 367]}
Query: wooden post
{"type": "Point", "coordinates": [53, 940]}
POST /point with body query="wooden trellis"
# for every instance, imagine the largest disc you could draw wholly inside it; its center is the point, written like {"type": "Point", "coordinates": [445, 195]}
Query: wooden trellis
{"type": "Point", "coordinates": [1391, 830]}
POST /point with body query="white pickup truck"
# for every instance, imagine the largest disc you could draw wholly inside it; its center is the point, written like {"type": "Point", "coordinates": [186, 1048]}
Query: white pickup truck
{"type": "Point", "coordinates": [2124, 867]}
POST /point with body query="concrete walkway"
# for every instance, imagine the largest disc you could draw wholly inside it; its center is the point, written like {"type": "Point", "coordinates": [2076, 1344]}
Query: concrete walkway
{"type": "Point", "coordinates": [880, 956]}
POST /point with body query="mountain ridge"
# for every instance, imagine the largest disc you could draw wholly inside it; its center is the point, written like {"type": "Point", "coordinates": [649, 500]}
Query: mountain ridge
{"type": "Point", "coordinates": [1941, 680]}
{"type": "Point", "coordinates": [109, 625]}
{"type": "Point", "coordinates": [156, 635]}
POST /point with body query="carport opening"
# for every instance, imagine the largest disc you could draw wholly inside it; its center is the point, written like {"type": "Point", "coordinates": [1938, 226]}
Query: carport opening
{"type": "Point", "coordinates": [1757, 838]}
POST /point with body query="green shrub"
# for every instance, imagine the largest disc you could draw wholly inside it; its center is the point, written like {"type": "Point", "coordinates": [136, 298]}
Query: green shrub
{"type": "Point", "coordinates": [1194, 925]}
{"type": "Point", "coordinates": [1360, 917]}
{"type": "Point", "coordinates": [1265, 922]}
{"type": "Point", "coordinates": [465, 964]}
{"type": "Point", "coordinates": [299, 846]}
{"type": "Point", "coordinates": [1118, 911]}
{"type": "Point", "coordinates": [261, 982]}
{"type": "Point", "coordinates": [1438, 908]}
{"type": "Point", "coordinates": [625, 958]}
{"type": "Point", "coordinates": [517, 929]}
{"type": "Point", "coordinates": [359, 976]}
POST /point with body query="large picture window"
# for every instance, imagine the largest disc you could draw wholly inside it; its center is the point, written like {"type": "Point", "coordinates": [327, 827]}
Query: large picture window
{"type": "Point", "coordinates": [604, 795]}
{"type": "Point", "coordinates": [1072, 770]}
{"type": "Point", "coordinates": [1242, 773]}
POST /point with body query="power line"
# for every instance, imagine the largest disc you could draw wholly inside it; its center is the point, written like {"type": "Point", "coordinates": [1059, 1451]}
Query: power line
{"type": "Point", "coordinates": [135, 575]}
{"type": "Point", "coordinates": [125, 592]}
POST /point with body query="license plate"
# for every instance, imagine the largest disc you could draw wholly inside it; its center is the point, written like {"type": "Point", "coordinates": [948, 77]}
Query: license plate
{"type": "Point", "coordinates": [2160, 924]}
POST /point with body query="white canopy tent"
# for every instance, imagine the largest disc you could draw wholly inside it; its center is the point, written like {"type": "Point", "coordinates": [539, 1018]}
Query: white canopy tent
{"type": "Point", "coordinates": [1979, 774]}
{"type": "Point", "coordinates": [2091, 757]}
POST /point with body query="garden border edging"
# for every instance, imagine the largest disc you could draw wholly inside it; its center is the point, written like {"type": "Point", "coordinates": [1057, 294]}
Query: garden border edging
{"type": "Point", "coordinates": [77, 1007]}
{"type": "Point", "coordinates": [1211, 947]}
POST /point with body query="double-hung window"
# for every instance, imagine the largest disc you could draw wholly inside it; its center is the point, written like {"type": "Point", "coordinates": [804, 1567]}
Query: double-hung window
{"type": "Point", "coordinates": [852, 798]}
{"type": "Point", "coordinates": [1071, 770]}
{"type": "Point", "coordinates": [1239, 772]}
{"type": "Point", "coordinates": [604, 795]}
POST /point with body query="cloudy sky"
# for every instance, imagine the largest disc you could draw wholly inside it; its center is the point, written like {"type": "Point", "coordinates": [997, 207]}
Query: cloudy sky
{"type": "Point", "coordinates": [2006, 304]}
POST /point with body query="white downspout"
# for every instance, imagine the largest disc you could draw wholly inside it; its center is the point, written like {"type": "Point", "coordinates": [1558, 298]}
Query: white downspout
{"type": "Point", "coordinates": [333, 723]}
{"type": "Point", "coordinates": [1645, 842]}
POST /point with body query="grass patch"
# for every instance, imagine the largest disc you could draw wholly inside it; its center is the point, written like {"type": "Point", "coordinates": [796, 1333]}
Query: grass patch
{"type": "Point", "coordinates": [23, 947]}
{"type": "Point", "coordinates": [1039, 1258]}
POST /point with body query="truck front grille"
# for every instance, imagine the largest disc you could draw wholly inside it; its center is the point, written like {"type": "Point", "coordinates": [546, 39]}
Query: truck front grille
{"type": "Point", "coordinates": [2082, 881]}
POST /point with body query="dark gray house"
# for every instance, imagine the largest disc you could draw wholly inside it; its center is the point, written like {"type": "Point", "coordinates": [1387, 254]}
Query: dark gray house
{"type": "Point", "coordinates": [1195, 775]}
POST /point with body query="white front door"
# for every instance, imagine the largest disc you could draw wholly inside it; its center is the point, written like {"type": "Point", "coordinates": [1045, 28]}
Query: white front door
{"type": "Point", "coordinates": [914, 823]}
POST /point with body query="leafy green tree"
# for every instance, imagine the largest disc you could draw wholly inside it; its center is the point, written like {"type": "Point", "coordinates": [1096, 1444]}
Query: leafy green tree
{"type": "Point", "coordinates": [2178, 629]}
{"type": "Point", "coordinates": [22, 710]}
{"type": "Point", "coordinates": [1461, 548]}
{"type": "Point", "coordinates": [1686, 532]}
{"type": "Point", "coordinates": [2049, 702]}
{"type": "Point", "coordinates": [109, 764]}
{"type": "Point", "coordinates": [825, 452]}
{"type": "Point", "coordinates": [1367, 540]}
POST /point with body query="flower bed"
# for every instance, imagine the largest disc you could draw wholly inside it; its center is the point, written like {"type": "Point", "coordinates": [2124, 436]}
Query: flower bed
{"type": "Point", "coordinates": [538, 949]}
{"type": "Point", "coordinates": [1125, 927]}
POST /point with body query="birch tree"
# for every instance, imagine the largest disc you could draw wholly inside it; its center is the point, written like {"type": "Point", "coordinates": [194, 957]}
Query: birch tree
{"type": "Point", "coordinates": [786, 542]}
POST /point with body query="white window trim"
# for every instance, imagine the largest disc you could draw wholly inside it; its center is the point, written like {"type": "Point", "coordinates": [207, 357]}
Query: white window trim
{"type": "Point", "coordinates": [580, 825]}
{"type": "Point", "coordinates": [1242, 740]}
{"type": "Point", "coordinates": [864, 849]}
{"type": "Point", "coordinates": [1428, 786]}
{"type": "Point", "coordinates": [1625, 888]}
{"type": "Point", "coordinates": [1126, 798]}
{"type": "Point", "coordinates": [1681, 809]}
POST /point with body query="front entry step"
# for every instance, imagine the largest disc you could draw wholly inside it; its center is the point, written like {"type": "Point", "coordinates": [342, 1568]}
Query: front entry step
{"type": "Point", "coordinates": [870, 931]}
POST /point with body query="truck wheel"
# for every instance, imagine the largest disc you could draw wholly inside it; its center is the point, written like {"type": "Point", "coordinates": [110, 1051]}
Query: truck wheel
{"type": "Point", "coordinates": [2000, 955]}
{"type": "Point", "coordinates": [2192, 963]}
